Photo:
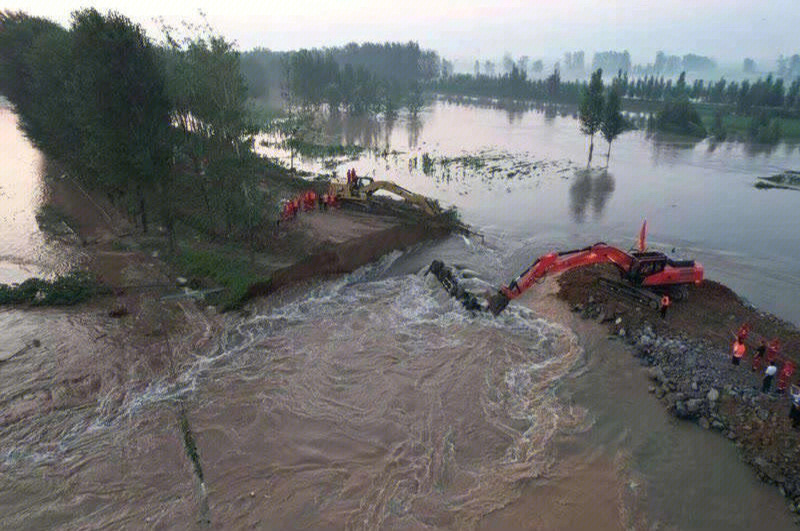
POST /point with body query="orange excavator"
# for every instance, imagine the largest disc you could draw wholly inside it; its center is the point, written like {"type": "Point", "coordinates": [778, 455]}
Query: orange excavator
{"type": "Point", "coordinates": [646, 275]}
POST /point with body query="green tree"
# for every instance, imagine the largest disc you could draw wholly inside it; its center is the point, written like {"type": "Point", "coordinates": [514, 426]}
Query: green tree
{"type": "Point", "coordinates": [718, 127]}
{"type": "Point", "coordinates": [122, 109]}
{"type": "Point", "coordinates": [36, 67]}
{"type": "Point", "coordinates": [591, 109]}
{"type": "Point", "coordinates": [414, 99]}
{"type": "Point", "coordinates": [613, 124]}
{"type": "Point", "coordinates": [681, 90]}
{"type": "Point", "coordinates": [208, 100]}
{"type": "Point", "coordinates": [681, 118]}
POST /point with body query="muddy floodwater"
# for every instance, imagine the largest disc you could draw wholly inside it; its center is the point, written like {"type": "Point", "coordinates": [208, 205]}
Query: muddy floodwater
{"type": "Point", "coordinates": [373, 400]}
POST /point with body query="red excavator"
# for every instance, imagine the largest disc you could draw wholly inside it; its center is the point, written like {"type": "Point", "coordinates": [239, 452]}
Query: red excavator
{"type": "Point", "coordinates": [646, 275]}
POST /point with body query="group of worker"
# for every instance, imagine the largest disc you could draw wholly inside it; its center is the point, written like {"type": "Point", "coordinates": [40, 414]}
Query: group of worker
{"type": "Point", "coordinates": [767, 351]}
{"type": "Point", "coordinates": [305, 201]}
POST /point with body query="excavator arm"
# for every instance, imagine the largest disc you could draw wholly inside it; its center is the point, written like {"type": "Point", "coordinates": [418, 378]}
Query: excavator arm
{"type": "Point", "coordinates": [557, 262]}
{"type": "Point", "coordinates": [425, 204]}
{"type": "Point", "coordinates": [648, 273]}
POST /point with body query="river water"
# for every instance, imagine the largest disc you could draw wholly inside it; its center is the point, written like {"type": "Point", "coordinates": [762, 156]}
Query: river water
{"type": "Point", "coordinates": [375, 401]}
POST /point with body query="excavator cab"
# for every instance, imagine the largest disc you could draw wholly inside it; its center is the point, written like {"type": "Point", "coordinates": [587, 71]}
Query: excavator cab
{"type": "Point", "coordinates": [363, 182]}
{"type": "Point", "coordinates": [361, 188]}
{"type": "Point", "coordinates": [645, 264]}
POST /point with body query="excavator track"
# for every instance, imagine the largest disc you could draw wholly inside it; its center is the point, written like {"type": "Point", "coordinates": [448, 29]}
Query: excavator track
{"type": "Point", "coordinates": [641, 296]}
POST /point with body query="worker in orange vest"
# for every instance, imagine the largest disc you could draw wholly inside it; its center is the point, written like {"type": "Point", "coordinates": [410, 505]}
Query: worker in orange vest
{"type": "Point", "coordinates": [665, 302]}
{"type": "Point", "coordinates": [738, 352]}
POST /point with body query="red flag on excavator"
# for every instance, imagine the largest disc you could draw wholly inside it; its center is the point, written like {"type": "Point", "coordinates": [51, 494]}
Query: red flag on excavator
{"type": "Point", "coordinates": [643, 237]}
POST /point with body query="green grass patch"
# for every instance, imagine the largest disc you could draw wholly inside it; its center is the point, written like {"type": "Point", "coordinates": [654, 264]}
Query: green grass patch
{"type": "Point", "coordinates": [737, 126]}
{"type": "Point", "coordinates": [224, 268]}
{"type": "Point", "coordinates": [65, 290]}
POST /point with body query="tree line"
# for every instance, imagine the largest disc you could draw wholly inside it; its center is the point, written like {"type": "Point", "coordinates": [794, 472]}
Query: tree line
{"type": "Point", "coordinates": [767, 92]}
{"type": "Point", "coordinates": [762, 102]}
{"type": "Point", "coordinates": [514, 85]}
{"type": "Point", "coordinates": [159, 129]}
{"type": "Point", "coordinates": [356, 78]}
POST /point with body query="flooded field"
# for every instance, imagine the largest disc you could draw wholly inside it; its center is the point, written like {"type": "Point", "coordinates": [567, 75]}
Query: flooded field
{"type": "Point", "coordinates": [516, 175]}
{"type": "Point", "coordinates": [374, 400]}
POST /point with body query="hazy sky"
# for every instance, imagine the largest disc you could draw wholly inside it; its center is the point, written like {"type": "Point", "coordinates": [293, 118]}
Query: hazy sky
{"type": "Point", "coordinates": [725, 29]}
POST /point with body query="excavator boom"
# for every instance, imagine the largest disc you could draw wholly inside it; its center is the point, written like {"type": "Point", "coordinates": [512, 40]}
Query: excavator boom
{"type": "Point", "coordinates": [556, 262]}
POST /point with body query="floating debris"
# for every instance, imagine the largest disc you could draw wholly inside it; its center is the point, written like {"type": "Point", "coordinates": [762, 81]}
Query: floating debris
{"type": "Point", "coordinates": [788, 180]}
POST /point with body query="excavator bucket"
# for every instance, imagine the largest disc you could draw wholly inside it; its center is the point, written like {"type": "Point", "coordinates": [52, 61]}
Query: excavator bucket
{"type": "Point", "coordinates": [643, 237]}
{"type": "Point", "coordinates": [497, 303]}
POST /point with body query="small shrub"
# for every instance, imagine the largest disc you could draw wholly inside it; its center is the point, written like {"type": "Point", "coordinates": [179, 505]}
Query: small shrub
{"type": "Point", "coordinates": [680, 117]}
{"type": "Point", "coordinates": [73, 288]}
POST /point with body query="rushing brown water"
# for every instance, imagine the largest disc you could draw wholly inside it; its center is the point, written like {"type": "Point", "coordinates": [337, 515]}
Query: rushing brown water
{"type": "Point", "coordinates": [371, 401]}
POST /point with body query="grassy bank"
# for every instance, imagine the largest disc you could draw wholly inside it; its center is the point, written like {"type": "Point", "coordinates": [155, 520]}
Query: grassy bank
{"type": "Point", "coordinates": [223, 267]}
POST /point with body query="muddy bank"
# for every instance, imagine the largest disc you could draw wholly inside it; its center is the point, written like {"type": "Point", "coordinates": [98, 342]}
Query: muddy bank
{"type": "Point", "coordinates": [338, 257]}
{"type": "Point", "coordinates": [691, 371]}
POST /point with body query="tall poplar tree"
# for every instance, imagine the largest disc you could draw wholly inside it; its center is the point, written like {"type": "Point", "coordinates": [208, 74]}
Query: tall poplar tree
{"type": "Point", "coordinates": [591, 109]}
{"type": "Point", "coordinates": [613, 124]}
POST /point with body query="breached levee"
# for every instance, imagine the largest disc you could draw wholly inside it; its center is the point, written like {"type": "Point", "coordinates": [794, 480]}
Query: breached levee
{"type": "Point", "coordinates": [341, 241]}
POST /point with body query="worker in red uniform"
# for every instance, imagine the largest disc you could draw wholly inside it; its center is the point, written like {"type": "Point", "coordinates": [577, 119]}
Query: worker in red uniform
{"type": "Point", "coordinates": [758, 357]}
{"type": "Point", "coordinates": [738, 352]}
{"type": "Point", "coordinates": [743, 332]}
{"type": "Point", "coordinates": [773, 347]}
{"type": "Point", "coordinates": [309, 200]}
{"type": "Point", "coordinates": [785, 376]}
{"type": "Point", "coordinates": [665, 302]}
